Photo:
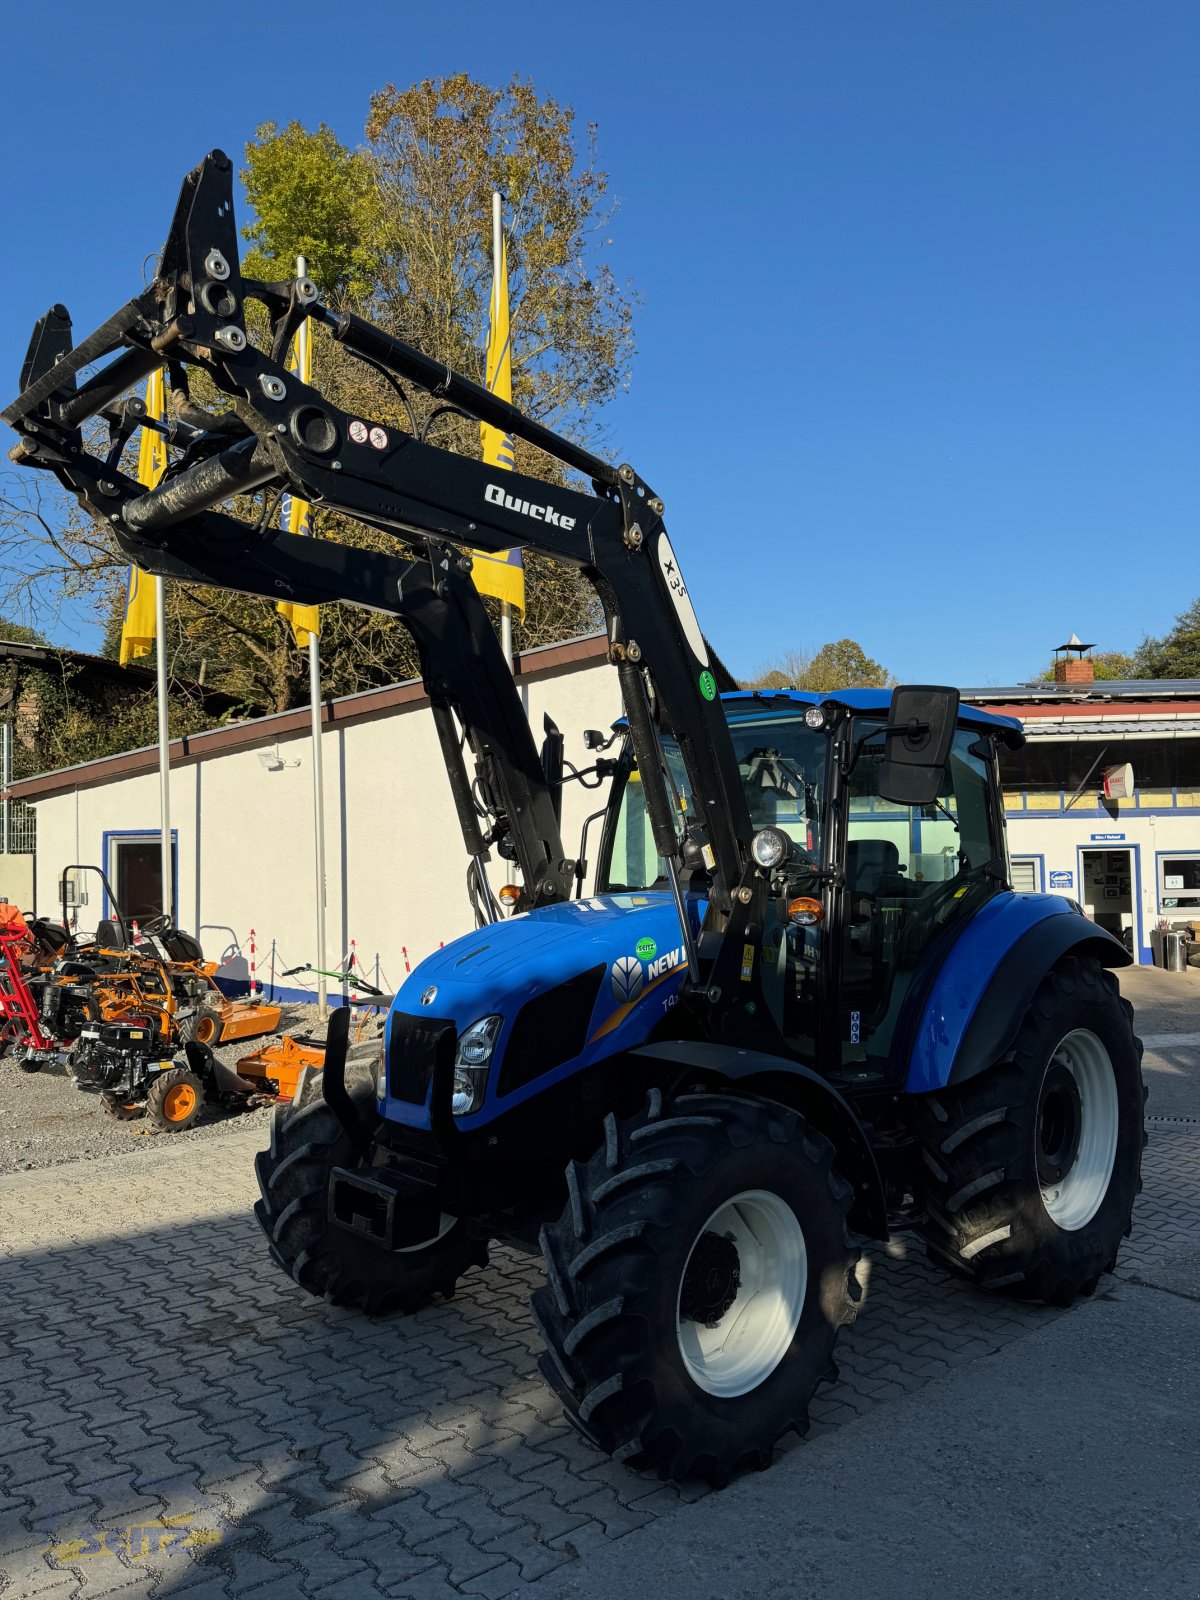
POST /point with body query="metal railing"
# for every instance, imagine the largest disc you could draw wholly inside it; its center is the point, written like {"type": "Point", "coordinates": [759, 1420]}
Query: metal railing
{"type": "Point", "coordinates": [18, 821]}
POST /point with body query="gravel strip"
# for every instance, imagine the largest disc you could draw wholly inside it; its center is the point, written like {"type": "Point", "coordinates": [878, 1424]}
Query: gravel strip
{"type": "Point", "coordinates": [45, 1121]}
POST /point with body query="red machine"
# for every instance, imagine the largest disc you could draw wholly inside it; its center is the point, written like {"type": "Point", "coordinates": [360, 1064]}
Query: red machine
{"type": "Point", "coordinates": [19, 1021]}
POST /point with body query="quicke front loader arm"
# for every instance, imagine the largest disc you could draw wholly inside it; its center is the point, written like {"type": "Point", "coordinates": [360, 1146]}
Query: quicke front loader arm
{"type": "Point", "coordinates": [284, 434]}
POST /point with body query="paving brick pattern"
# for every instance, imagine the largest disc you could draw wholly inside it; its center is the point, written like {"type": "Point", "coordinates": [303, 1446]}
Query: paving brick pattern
{"type": "Point", "coordinates": [177, 1419]}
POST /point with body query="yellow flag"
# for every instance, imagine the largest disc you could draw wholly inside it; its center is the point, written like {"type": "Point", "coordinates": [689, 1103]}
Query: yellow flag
{"type": "Point", "coordinates": [137, 630]}
{"type": "Point", "coordinates": [500, 572]}
{"type": "Point", "coordinates": [296, 515]}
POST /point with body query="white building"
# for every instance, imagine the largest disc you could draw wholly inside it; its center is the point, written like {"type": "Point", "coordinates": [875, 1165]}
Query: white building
{"type": "Point", "coordinates": [1133, 862]}
{"type": "Point", "coordinates": [241, 815]}
{"type": "Point", "coordinates": [241, 824]}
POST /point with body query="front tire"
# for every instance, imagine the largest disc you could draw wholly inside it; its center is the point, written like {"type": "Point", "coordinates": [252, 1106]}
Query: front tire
{"type": "Point", "coordinates": [174, 1100]}
{"type": "Point", "coordinates": [1032, 1166]}
{"type": "Point", "coordinates": [122, 1110]}
{"type": "Point", "coordinates": [307, 1142]}
{"type": "Point", "coordinates": [697, 1283]}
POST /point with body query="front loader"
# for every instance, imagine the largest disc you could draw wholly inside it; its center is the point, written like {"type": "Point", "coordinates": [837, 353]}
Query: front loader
{"type": "Point", "coordinates": [803, 1007]}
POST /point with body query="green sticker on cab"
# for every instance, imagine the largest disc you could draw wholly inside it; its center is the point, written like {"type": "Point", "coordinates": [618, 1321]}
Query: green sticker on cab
{"type": "Point", "coordinates": [708, 686]}
{"type": "Point", "coordinates": [645, 949]}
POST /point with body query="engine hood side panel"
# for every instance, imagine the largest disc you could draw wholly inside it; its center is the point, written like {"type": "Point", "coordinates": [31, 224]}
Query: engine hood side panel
{"type": "Point", "coordinates": [499, 969]}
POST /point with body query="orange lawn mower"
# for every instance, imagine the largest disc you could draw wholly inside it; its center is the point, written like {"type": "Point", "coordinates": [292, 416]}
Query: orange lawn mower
{"type": "Point", "coordinates": [279, 1064]}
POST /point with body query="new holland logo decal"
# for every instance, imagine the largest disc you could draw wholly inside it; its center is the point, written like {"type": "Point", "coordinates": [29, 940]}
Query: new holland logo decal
{"type": "Point", "coordinates": [627, 977]}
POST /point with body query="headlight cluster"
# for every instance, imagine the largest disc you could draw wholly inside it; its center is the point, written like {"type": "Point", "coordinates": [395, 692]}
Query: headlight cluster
{"type": "Point", "coordinates": [770, 848]}
{"type": "Point", "coordinates": [472, 1060]}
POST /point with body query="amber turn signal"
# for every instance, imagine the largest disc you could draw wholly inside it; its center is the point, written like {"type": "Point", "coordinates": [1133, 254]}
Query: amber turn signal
{"type": "Point", "coordinates": [805, 912]}
{"type": "Point", "coordinates": [509, 895]}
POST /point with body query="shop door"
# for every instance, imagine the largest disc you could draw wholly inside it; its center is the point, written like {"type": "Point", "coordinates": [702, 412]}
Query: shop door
{"type": "Point", "coordinates": [1106, 892]}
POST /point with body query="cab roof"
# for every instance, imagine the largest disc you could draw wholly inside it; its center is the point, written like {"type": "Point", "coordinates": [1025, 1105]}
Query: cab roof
{"type": "Point", "coordinates": [871, 701]}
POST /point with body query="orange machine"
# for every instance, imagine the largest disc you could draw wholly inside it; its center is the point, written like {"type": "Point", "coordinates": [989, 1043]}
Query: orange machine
{"type": "Point", "coordinates": [277, 1065]}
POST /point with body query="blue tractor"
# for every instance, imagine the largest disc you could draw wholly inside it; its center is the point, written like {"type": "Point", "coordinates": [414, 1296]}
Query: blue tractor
{"type": "Point", "coordinates": [802, 1007]}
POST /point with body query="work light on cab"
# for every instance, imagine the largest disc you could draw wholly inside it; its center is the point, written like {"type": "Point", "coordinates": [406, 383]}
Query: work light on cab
{"type": "Point", "coordinates": [770, 848]}
{"type": "Point", "coordinates": [471, 1062]}
{"type": "Point", "coordinates": [814, 718]}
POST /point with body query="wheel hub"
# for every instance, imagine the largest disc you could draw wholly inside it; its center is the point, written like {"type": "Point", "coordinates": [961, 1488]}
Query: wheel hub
{"type": "Point", "coordinates": [1060, 1122]}
{"type": "Point", "coordinates": [741, 1293]}
{"type": "Point", "coordinates": [711, 1281]}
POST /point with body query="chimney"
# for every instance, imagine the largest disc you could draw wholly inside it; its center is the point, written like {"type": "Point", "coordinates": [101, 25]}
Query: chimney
{"type": "Point", "coordinates": [1071, 665]}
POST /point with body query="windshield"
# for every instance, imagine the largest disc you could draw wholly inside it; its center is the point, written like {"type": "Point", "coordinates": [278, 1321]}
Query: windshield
{"type": "Point", "coordinates": [782, 764]}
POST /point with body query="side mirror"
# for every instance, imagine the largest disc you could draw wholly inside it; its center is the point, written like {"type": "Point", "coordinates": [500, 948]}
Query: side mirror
{"type": "Point", "coordinates": [919, 731]}
{"type": "Point", "coordinates": [552, 764]}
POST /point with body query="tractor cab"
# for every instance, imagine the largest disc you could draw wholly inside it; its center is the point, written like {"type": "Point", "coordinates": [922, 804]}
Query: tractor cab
{"type": "Point", "coordinates": [870, 888]}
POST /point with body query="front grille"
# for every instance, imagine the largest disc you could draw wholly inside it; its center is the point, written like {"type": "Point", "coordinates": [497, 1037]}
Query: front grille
{"type": "Point", "coordinates": [413, 1046]}
{"type": "Point", "coordinates": [550, 1029]}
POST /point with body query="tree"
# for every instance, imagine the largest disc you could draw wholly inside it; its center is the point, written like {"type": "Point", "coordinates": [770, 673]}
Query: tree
{"type": "Point", "coordinates": [785, 672]}
{"type": "Point", "coordinates": [840, 664]}
{"type": "Point", "coordinates": [1177, 653]}
{"type": "Point", "coordinates": [399, 230]}
{"type": "Point", "coordinates": [18, 633]}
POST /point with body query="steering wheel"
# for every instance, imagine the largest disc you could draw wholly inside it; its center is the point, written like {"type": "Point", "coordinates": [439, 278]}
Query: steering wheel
{"type": "Point", "coordinates": [158, 924]}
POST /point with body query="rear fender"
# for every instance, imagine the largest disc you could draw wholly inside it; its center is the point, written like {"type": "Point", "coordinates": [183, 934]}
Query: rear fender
{"type": "Point", "coordinates": [986, 984]}
{"type": "Point", "coordinates": [778, 1078]}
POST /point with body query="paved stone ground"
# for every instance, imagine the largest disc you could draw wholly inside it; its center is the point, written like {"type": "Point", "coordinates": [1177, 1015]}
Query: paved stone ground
{"type": "Point", "coordinates": [176, 1418]}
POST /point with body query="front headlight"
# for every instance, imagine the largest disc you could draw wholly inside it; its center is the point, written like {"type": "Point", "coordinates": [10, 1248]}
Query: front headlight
{"type": "Point", "coordinates": [770, 848]}
{"type": "Point", "coordinates": [471, 1062]}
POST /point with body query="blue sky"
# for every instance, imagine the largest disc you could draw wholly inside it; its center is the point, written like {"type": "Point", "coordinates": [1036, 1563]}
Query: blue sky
{"type": "Point", "coordinates": [918, 349]}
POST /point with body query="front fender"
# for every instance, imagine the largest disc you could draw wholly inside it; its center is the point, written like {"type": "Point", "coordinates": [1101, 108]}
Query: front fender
{"type": "Point", "coordinates": [780, 1078]}
{"type": "Point", "coordinates": [986, 983]}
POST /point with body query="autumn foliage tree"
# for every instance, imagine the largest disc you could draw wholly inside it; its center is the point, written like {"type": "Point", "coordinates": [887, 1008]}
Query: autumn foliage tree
{"type": "Point", "coordinates": [840, 664]}
{"type": "Point", "coordinates": [398, 229]}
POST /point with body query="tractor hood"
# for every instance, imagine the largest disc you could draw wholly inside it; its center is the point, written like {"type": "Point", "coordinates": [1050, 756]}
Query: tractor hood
{"type": "Point", "coordinates": [573, 984]}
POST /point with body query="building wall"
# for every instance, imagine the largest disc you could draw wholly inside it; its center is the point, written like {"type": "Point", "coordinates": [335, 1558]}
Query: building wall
{"type": "Point", "coordinates": [16, 880]}
{"type": "Point", "coordinates": [395, 864]}
{"type": "Point", "coordinates": [1057, 842]}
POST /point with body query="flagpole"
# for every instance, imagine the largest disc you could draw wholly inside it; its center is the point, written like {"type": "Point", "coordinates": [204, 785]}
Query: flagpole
{"type": "Point", "coordinates": [506, 641]}
{"type": "Point", "coordinates": [164, 746]}
{"type": "Point", "coordinates": [303, 334]}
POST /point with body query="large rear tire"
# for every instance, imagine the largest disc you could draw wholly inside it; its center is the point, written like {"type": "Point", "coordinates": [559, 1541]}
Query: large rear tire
{"type": "Point", "coordinates": [697, 1282]}
{"type": "Point", "coordinates": [1032, 1167]}
{"type": "Point", "coordinates": [307, 1142]}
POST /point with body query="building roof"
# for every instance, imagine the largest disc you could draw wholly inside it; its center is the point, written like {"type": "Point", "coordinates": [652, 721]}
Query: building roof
{"type": "Point", "coordinates": [41, 655]}
{"type": "Point", "coordinates": [367, 706]}
{"type": "Point", "coordinates": [106, 669]}
{"type": "Point", "coordinates": [1094, 693]}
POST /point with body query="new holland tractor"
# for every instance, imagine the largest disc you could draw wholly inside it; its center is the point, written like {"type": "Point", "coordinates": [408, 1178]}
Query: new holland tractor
{"type": "Point", "coordinates": [803, 1006]}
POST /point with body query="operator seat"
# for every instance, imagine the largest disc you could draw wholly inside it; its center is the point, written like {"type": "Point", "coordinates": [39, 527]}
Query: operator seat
{"type": "Point", "coordinates": [108, 935]}
{"type": "Point", "coordinates": [872, 878]}
{"type": "Point", "coordinates": [872, 872]}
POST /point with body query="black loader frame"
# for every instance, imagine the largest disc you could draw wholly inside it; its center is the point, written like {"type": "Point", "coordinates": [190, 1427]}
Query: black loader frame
{"type": "Point", "coordinates": [282, 434]}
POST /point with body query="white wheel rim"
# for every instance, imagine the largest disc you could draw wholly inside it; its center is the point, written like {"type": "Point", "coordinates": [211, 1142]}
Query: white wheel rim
{"type": "Point", "coordinates": [1074, 1199]}
{"type": "Point", "coordinates": [756, 1330]}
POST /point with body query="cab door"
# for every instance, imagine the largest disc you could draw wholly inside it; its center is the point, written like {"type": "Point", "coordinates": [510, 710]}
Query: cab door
{"type": "Point", "coordinates": [911, 876]}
